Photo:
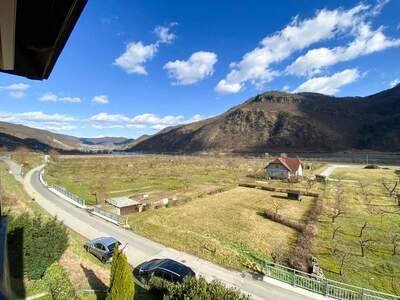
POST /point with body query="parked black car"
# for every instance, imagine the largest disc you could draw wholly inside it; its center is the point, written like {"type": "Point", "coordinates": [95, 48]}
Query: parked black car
{"type": "Point", "coordinates": [102, 248]}
{"type": "Point", "coordinates": [167, 269]}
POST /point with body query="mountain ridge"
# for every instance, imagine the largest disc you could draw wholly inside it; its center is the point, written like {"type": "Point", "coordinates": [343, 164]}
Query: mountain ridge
{"type": "Point", "coordinates": [280, 121]}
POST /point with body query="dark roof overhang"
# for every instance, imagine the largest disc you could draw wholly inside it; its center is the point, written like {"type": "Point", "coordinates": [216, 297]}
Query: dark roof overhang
{"type": "Point", "coordinates": [33, 34]}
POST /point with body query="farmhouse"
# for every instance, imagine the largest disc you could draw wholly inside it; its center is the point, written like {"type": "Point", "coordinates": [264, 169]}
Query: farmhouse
{"type": "Point", "coordinates": [284, 168]}
{"type": "Point", "coordinates": [125, 205]}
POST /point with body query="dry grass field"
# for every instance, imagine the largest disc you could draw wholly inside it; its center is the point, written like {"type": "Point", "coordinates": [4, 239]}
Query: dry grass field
{"type": "Point", "coordinates": [225, 228]}
{"type": "Point", "coordinates": [365, 203]}
{"type": "Point", "coordinates": [159, 175]}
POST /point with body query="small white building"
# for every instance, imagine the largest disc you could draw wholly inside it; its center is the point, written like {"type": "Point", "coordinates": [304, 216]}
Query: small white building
{"type": "Point", "coordinates": [284, 168]}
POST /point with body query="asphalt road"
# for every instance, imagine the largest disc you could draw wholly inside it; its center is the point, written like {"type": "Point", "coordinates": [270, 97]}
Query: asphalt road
{"type": "Point", "coordinates": [140, 249]}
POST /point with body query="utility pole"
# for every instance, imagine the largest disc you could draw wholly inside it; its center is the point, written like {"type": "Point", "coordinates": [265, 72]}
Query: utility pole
{"type": "Point", "coordinates": [367, 159]}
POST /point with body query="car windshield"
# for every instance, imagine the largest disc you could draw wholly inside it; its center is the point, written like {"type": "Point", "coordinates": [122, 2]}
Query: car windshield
{"type": "Point", "coordinates": [112, 245]}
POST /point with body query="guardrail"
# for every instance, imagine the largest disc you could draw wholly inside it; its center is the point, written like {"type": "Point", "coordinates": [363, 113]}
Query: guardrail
{"type": "Point", "coordinates": [74, 199]}
{"type": "Point", "coordinates": [323, 286]}
{"type": "Point", "coordinates": [105, 214]}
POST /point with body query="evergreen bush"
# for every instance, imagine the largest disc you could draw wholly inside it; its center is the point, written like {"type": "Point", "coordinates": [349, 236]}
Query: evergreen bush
{"type": "Point", "coordinates": [60, 287]}
{"type": "Point", "coordinates": [42, 242]}
{"type": "Point", "coordinates": [122, 286]}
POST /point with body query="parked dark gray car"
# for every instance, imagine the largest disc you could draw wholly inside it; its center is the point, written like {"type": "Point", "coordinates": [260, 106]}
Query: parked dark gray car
{"type": "Point", "coordinates": [102, 248]}
{"type": "Point", "coordinates": [167, 269]}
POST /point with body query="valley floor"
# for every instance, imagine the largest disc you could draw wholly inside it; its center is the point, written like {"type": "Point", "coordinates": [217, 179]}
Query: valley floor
{"type": "Point", "coordinates": [221, 222]}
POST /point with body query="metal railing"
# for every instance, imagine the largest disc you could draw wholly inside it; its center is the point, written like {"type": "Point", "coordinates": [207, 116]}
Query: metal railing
{"type": "Point", "coordinates": [323, 286]}
{"type": "Point", "coordinates": [70, 195]}
{"type": "Point", "coordinates": [107, 214]}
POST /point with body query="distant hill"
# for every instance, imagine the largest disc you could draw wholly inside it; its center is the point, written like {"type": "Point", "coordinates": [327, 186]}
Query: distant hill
{"type": "Point", "coordinates": [278, 121]}
{"type": "Point", "coordinates": [14, 135]}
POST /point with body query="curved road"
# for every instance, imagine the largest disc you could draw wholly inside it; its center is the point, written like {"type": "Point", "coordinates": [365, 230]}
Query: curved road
{"type": "Point", "coordinates": [140, 249]}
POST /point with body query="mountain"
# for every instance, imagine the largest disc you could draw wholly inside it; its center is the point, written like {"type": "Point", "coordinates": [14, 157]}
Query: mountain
{"type": "Point", "coordinates": [278, 121]}
{"type": "Point", "coordinates": [14, 135]}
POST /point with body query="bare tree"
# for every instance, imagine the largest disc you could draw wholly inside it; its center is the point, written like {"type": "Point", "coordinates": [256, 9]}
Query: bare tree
{"type": "Point", "coordinates": [335, 230]}
{"type": "Point", "coordinates": [277, 205]}
{"type": "Point", "coordinates": [309, 183]}
{"type": "Point", "coordinates": [394, 238]}
{"type": "Point", "coordinates": [343, 257]}
{"type": "Point", "coordinates": [364, 244]}
{"type": "Point", "coordinates": [338, 208]}
{"type": "Point", "coordinates": [100, 191]}
{"type": "Point", "coordinates": [363, 228]}
{"type": "Point", "coordinates": [390, 188]}
{"type": "Point", "coordinates": [365, 194]}
{"type": "Point", "coordinates": [278, 252]}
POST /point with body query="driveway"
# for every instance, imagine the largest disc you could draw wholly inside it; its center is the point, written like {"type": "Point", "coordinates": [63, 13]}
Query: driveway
{"type": "Point", "coordinates": [140, 249]}
{"type": "Point", "coordinates": [331, 168]}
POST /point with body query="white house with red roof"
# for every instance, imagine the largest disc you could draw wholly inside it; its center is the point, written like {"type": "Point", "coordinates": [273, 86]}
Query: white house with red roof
{"type": "Point", "coordinates": [284, 168]}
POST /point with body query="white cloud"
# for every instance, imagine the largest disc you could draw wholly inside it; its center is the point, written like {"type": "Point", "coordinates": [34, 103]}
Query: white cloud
{"type": "Point", "coordinates": [17, 90]}
{"type": "Point", "coordinates": [51, 97]}
{"type": "Point", "coordinates": [164, 34]}
{"type": "Point", "coordinates": [100, 99]}
{"type": "Point", "coordinates": [195, 118]}
{"type": "Point", "coordinates": [394, 82]}
{"type": "Point", "coordinates": [36, 116]}
{"type": "Point", "coordinates": [199, 66]}
{"type": "Point", "coordinates": [286, 88]}
{"type": "Point", "coordinates": [377, 9]}
{"type": "Point", "coordinates": [55, 127]}
{"type": "Point", "coordinates": [154, 119]}
{"type": "Point", "coordinates": [366, 42]}
{"type": "Point", "coordinates": [105, 117]}
{"type": "Point", "coordinates": [159, 126]}
{"type": "Point", "coordinates": [147, 120]}
{"type": "Point", "coordinates": [131, 126]}
{"type": "Point", "coordinates": [329, 85]}
{"type": "Point", "coordinates": [135, 56]}
{"type": "Point", "coordinates": [255, 65]}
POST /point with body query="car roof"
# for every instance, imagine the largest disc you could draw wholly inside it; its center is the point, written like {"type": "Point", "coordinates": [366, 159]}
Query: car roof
{"type": "Point", "coordinates": [172, 266]}
{"type": "Point", "coordinates": [105, 240]}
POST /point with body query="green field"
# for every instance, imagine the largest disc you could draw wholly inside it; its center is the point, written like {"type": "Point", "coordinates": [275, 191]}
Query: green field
{"type": "Point", "coordinates": [378, 269]}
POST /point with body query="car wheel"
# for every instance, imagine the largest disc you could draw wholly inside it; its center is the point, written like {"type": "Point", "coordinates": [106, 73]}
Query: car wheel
{"type": "Point", "coordinates": [103, 260]}
{"type": "Point", "coordinates": [86, 248]}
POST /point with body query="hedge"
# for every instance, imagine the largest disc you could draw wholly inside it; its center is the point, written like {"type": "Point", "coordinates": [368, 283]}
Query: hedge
{"type": "Point", "coordinates": [193, 288]}
{"type": "Point", "coordinates": [39, 242]}
{"type": "Point", "coordinates": [60, 287]}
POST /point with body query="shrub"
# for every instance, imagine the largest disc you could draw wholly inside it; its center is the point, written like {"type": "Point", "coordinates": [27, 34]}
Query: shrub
{"type": "Point", "coordinates": [283, 220]}
{"type": "Point", "coordinates": [122, 286]}
{"type": "Point", "coordinates": [192, 288]}
{"type": "Point", "coordinates": [60, 287]}
{"type": "Point", "coordinates": [301, 258]}
{"type": "Point", "coordinates": [372, 167]}
{"type": "Point", "coordinates": [41, 242]}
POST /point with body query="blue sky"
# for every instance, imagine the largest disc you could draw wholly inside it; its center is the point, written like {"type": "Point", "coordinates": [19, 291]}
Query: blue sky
{"type": "Point", "coordinates": [134, 67]}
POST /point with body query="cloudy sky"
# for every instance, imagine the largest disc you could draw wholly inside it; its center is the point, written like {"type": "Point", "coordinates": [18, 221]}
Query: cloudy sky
{"type": "Point", "coordinates": [135, 67]}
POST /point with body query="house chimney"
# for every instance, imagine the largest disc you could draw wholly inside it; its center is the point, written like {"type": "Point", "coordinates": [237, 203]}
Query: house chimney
{"type": "Point", "coordinates": [283, 155]}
